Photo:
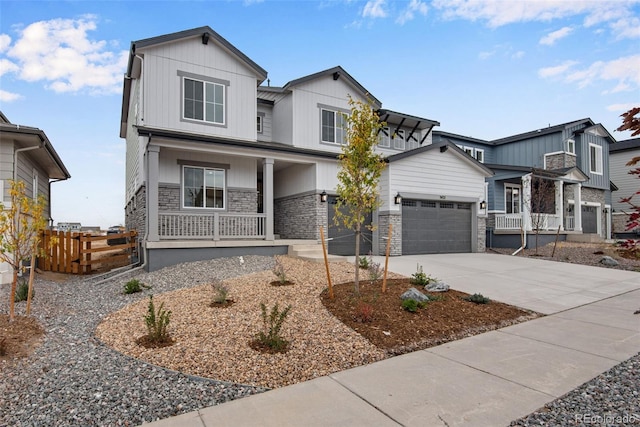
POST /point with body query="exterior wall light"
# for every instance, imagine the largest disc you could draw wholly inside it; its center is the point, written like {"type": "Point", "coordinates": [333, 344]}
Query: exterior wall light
{"type": "Point", "coordinates": [398, 199]}
{"type": "Point", "coordinates": [483, 205]}
{"type": "Point", "coordinates": [323, 196]}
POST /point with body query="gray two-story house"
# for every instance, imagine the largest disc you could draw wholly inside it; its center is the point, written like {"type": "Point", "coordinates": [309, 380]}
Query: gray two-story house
{"type": "Point", "coordinates": [571, 159]}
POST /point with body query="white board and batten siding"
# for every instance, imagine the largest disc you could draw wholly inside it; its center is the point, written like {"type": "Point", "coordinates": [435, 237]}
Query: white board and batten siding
{"type": "Point", "coordinates": [241, 171]}
{"type": "Point", "coordinates": [163, 87]}
{"type": "Point", "coordinates": [432, 173]}
{"type": "Point", "coordinates": [324, 91]}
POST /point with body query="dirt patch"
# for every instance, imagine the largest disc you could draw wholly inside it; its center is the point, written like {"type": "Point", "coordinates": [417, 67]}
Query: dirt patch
{"type": "Point", "coordinates": [20, 337]}
{"type": "Point", "coordinates": [381, 319]}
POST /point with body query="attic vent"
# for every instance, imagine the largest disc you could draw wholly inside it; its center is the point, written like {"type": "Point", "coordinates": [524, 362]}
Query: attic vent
{"type": "Point", "coordinates": [205, 38]}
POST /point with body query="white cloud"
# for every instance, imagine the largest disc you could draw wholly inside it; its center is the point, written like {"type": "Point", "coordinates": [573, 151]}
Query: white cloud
{"type": "Point", "coordinates": [623, 72]}
{"type": "Point", "coordinates": [621, 107]}
{"type": "Point", "coordinates": [415, 6]}
{"type": "Point", "coordinates": [486, 54]}
{"type": "Point", "coordinates": [551, 38]}
{"type": "Point", "coordinates": [626, 28]}
{"type": "Point", "coordinates": [5, 41]}
{"type": "Point", "coordinates": [517, 55]}
{"type": "Point", "coordinates": [557, 70]}
{"type": "Point", "coordinates": [374, 9]}
{"type": "Point", "coordinates": [60, 52]}
{"type": "Point", "coordinates": [9, 96]}
{"type": "Point", "coordinates": [497, 13]}
{"type": "Point", "coordinates": [7, 66]}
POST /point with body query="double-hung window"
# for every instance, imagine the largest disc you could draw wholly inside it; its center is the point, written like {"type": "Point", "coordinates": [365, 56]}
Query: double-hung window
{"type": "Point", "coordinates": [512, 198]}
{"type": "Point", "coordinates": [571, 146]}
{"type": "Point", "coordinates": [203, 187]}
{"type": "Point", "coordinates": [479, 155]}
{"type": "Point", "coordinates": [203, 101]}
{"type": "Point", "coordinates": [333, 127]}
{"type": "Point", "coordinates": [398, 139]}
{"type": "Point", "coordinates": [259, 124]}
{"type": "Point", "coordinates": [595, 159]}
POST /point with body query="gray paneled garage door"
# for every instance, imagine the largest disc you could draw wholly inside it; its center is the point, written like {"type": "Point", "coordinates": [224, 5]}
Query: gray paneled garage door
{"type": "Point", "coordinates": [343, 242]}
{"type": "Point", "coordinates": [589, 219]}
{"type": "Point", "coordinates": [430, 227]}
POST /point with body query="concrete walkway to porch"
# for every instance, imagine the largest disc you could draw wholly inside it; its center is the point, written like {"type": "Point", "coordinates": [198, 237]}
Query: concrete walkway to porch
{"type": "Point", "coordinates": [485, 380]}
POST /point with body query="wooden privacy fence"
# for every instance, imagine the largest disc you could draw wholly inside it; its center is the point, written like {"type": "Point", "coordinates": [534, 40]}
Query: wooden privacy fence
{"type": "Point", "coordinates": [69, 252]}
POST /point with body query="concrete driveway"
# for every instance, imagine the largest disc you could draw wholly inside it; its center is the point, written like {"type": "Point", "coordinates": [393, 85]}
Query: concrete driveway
{"type": "Point", "coordinates": [543, 286]}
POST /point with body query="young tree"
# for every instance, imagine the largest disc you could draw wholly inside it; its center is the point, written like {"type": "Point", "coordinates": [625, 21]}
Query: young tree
{"type": "Point", "coordinates": [540, 203]}
{"type": "Point", "coordinates": [359, 174]}
{"type": "Point", "coordinates": [20, 226]}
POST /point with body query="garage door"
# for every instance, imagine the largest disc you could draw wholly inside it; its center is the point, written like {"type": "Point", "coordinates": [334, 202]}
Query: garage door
{"type": "Point", "coordinates": [430, 227]}
{"type": "Point", "coordinates": [589, 219]}
{"type": "Point", "coordinates": [342, 240]}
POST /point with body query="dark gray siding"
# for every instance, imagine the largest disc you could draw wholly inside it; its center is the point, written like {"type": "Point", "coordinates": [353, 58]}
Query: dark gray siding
{"type": "Point", "coordinates": [582, 150]}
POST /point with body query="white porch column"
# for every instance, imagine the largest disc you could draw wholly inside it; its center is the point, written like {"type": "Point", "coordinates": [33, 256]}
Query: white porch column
{"type": "Point", "coordinates": [267, 190]}
{"type": "Point", "coordinates": [559, 203]}
{"type": "Point", "coordinates": [153, 154]}
{"type": "Point", "coordinates": [526, 202]}
{"type": "Point", "coordinates": [577, 206]}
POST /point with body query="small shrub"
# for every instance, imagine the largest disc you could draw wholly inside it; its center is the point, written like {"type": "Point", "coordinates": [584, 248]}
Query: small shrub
{"type": "Point", "coordinates": [364, 312]}
{"type": "Point", "coordinates": [280, 273]}
{"type": "Point", "coordinates": [272, 324]}
{"type": "Point", "coordinates": [436, 296]}
{"type": "Point", "coordinates": [132, 286]}
{"type": "Point", "coordinates": [220, 292]}
{"type": "Point", "coordinates": [363, 262]}
{"type": "Point", "coordinates": [22, 290]}
{"type": "Point", "coordinates": [157, 322]}
{"type": "Point", "coordinates": [375, 271]}
{"type": "Point", "coordinates": [412, 305]}
{"type": "Point", "coordinates": [3, 346]}
{"type": "Point", "coordinates": [477, 299]}
{"type": "Point", "coordinates": [420, 278]}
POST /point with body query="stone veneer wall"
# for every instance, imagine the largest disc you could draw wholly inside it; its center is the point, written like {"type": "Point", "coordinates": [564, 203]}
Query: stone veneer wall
{"type": "Point", "coordinates": [482, 234]}
{"type": "Point", "coordinates": [396, 233]}
{"type": "Point", "coordinates": [168, 197]}
{"type": "Point", "coordinates": [239, 200]}
{"type": "Point", "coordinates": [300, 217]}
{"type": "Point", "coordinates": [559, 161]}
{"type": "Point", "coordinates": [619, 224]}
{"type": "Point", "coordinates": [136, 212]}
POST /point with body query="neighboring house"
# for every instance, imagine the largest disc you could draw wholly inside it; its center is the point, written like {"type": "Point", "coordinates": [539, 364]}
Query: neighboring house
{"type": "Point", "coordinates": [26, 154]}
{"type": "Point", "coordinates": [626, 184]}
{"type": "Point", "coordinates": [570, 159]}
{"type": "Point", "coordinates": [219, 164]}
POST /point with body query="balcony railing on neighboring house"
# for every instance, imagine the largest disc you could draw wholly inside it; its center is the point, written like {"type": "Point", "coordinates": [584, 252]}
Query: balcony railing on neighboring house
{"type": "Point", "coordinates": [569, 223]}
{"type": "Point", "coordinates": [214, 226]}
{"type": "Point", "coordinates": [540, 221]}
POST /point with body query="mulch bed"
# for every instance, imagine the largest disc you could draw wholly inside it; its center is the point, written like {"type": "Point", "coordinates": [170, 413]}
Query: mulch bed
{"type": "Point", "coordinates": [398, 331]}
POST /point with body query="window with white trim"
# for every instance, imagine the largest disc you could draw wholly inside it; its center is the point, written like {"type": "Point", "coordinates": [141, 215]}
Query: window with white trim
{"type": "Point", "coordinates": [479, 154]}
{"type": "Point", "coordinates": [333, 127]}
{"type": "Point", "coordinates": [35, 184]}
{"type": "Point", "coordinates": [398, 139]}
{"type": "Point", "coordinates": [203, 187]}
{"type": "Point", "coordinates": [595, 159]}
{"type": "Point", "coordinates": [571, 146]}
{"type": "Point", "coordinates": [384, 139]}
{"type": "Point", "coordinates": [259, 124]}
{"type": "Point", "coordinates": [203, 101]}
{"type": "Point", "coordinates": [468, 150]}
{"type": "Point", "coordinates": [512, 198]}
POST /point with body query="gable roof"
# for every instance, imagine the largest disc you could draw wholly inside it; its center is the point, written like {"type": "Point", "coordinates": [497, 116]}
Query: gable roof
{"type": "Point", "coordinates": [626, 145]}
{"type": "Point", "coordinates": [336, 73]}
{"type": "Point", "coordinates": [542, 131]}
{"type": "Point", "coordinates": [195, 32]}
{"type": "Point", "coordinates": [447, 135]}
{"type": "Point", "coordinates": [442, 147]}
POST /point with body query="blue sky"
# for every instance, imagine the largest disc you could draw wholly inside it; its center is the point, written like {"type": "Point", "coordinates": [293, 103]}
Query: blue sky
{"type": "Point", "coordinates": [482, 68]}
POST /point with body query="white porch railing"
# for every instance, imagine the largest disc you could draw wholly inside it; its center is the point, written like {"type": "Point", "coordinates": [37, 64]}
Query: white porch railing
{"type": "Point", "coordinates": [215, 226]}
{"type": "Point", "coordinates": [509, 222]}
{"type": "Point", "coordinates": [514, 222]}
{"type": "Point", "coordinates": [569, 223]}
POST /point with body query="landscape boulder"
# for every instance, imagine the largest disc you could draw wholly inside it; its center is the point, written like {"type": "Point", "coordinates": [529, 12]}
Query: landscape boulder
{"type": "Point", "coordinates": [414, 294]}
{"type": "Point", "coordinates": [437, 286]}
{"type": "Point", "coordinates": [609, 262]}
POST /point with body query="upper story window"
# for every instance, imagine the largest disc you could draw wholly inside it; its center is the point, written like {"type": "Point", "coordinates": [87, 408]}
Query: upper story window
{"type": "Point", "coordinates": [413, 140]}
{"type": "Point", "coordinates": [595, 159]}
{"type": "Point", "coordinates": [398, 139]}
{"type": "Point", "coordinates": [259, 124]}
{"type": "Point", "coordinates": [479, 154]}
{"type": "Point", "coordinates": [571, 146]}
{"type": "Point", "coordinates": [204, 101]}
{"type": "Point", "coordinates": [384, 137]}
{"type": "Point", "coordinates": [333, 127]}
{"type": "Point", "coordinates": [203, 187]}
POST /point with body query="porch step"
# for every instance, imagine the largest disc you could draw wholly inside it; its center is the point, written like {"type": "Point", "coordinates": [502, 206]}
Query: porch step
{"type": "Point", "coordinates": [585, 238]}
{"type": "Point", "coordinates": [312, 253]}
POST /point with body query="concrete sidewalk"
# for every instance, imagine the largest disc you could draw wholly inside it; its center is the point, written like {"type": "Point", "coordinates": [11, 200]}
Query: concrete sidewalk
{"type": "Point", "coordinates": [485, 380]}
